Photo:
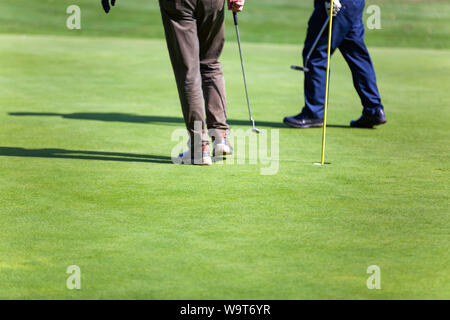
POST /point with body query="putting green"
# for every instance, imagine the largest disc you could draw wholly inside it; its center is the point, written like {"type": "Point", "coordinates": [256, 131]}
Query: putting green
{"type": "Point", "coordinates": [86, 179]}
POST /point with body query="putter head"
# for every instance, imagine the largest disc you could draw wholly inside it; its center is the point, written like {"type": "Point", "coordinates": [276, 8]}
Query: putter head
{"type": "Point", "coordinates": [254, 129]}
{"type": "Point", "coordinates": [298, 68]}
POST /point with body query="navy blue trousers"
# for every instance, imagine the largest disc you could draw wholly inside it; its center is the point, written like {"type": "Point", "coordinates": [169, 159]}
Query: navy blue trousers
{"type": "Point", "coordinates": [348, 36]}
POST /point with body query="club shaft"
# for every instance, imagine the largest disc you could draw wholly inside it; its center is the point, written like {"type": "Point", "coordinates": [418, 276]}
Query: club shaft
{"type": "Point", "coordinates": [316, 41]}
{"type": "Point", "coordinates": [243, 68]}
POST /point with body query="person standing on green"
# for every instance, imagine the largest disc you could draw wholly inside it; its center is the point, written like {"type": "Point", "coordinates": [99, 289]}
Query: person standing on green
{"type": "Point", "coordinates": [195, 35]}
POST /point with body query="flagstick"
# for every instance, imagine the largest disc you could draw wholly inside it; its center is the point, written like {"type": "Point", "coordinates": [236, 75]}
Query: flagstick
{"type": "Point", "coordinates": [327, 85]}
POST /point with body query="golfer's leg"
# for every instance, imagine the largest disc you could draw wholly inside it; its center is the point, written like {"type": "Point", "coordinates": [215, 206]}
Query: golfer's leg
{"type": "Point", "coordinates": [314, 85]}
{"type": "Point", "coordinates": [182, 41]}
{"type": "Point", "coordinates": [315, 78]}
{"type": "Point", "coordinates": [357, 56]}
{"type": "Point", "coordinates": [211, 33]}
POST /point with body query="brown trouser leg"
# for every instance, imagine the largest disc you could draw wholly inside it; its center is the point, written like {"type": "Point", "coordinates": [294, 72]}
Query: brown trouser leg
{"type": "Point", "coordinates": [195, 37]}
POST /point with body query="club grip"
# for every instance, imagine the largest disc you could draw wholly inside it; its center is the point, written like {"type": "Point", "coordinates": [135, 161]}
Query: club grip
{"type": "Point", "coordinates": [235, 18]}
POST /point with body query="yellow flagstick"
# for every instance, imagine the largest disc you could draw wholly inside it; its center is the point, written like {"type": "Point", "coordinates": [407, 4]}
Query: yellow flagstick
{"type": "Point", "coordinates": [327, 85]}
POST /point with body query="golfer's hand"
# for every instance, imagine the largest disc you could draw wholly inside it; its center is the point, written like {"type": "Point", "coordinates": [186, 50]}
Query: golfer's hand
{"type": "Point", "coordinates": [236, 5]}
{"type": "Point", "coordinates": [106, 6]}
{"type": "Point", "coordinates": [336, 7]}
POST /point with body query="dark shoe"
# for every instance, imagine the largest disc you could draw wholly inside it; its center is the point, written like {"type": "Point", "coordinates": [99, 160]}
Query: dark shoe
{"type": "Point", "coordinates": [369, 121]}
{"type": "Point", "coordinates": [303, 121]}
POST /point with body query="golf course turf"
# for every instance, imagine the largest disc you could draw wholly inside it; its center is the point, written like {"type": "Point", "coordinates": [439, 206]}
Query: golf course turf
{"type": "Point", "coordinates": [86, 176]}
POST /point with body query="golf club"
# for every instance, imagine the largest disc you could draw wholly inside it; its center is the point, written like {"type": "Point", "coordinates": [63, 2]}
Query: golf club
{"type": "Point", "coordinates": [254, 129]}
{"type": "Point", "coordinates": [305, 68]}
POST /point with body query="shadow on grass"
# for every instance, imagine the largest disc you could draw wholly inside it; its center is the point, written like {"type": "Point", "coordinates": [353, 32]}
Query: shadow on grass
{"type": "Point", "coordinates": [134, 118]}
{"type": "Point", "coordinates": [82, 155]}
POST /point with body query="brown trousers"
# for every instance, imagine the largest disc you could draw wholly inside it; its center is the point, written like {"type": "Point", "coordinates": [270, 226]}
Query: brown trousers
{"type": "Point", "coordinates": [195, 34]}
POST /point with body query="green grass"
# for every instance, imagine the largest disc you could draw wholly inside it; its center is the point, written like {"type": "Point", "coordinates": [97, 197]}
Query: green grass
{"type": "Point", "coordinates": [85, 177]}
{"type": "Point", "coordinates": [156, 230]}
{"type": "Point", "coordinates": [405, 23]}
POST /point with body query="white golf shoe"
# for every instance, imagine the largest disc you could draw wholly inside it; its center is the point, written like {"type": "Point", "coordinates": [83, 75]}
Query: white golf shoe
{"type": "Point", "coordinates": [186, 158]}
{"type": "Point", "coordinates": [222, 147]}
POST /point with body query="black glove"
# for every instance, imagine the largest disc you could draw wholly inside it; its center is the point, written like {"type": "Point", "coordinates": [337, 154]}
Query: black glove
{"type": "Point", "coordinates": [106, 6]}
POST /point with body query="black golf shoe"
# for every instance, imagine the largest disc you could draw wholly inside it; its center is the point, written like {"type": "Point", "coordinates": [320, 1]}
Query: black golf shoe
{"type": "Point", "coordinates": [369, 122]}
{"type": "Point", "coordinates": [303, 121]}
